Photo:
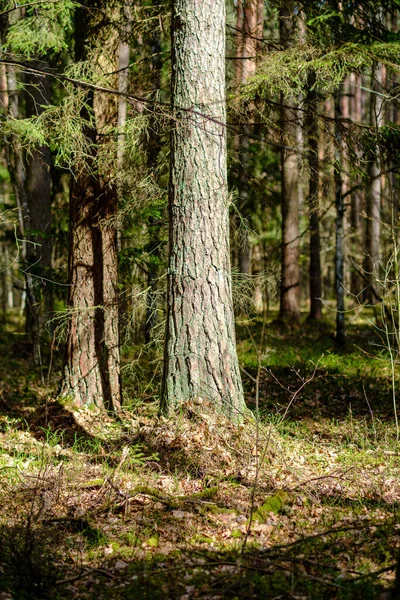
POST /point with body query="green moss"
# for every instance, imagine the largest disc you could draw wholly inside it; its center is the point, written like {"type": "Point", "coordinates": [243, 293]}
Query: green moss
{"type": "Point", "coordinates": [202, 539]}
{"type": "Point", "coordinates": [153, 541]}
{"type": "Point", "coordinates": [204, 494]}
{"type": "Point", "coordinates": [236, 534]}
{"type": "Point", "coordinates": [93, 483]}
{"type": "Point", "coordinates": [277, 504]}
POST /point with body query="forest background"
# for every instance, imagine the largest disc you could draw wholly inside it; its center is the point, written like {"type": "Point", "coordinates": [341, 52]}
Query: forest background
{"type": "Point", "coordinates": [128, 453]}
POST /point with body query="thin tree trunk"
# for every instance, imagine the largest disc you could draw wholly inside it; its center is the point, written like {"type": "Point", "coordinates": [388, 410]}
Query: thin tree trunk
{"type": "Point", "coordinates": [394, 117]}
{"type": "Point", "coordinates": [123, 78]}
{"type": "Point", "coordinates": [154, 144]}
{"type": "Point", "coordinates": [3, 282]}
{"type": "Point", "coordinates": [200, 347]}
{"type": "Point", "coordinates": [249, 22]}
{"type": "Point", "coordinates": [357, 197]}
{"type": "Point", "coordinates": [345, 167]}
{"type": "Point", "coordinates": [30, 175]}
{"type": "Point", "coordinates": [290, 275]}
{"type": "Point", "coordinates": [340, 211]}
{"type": "Point", "coordinates": [373, 194]}
{"type": "Point", "coordinates": [17, 170]}
{"type": "Point", "coordinates": [313, 204]}
{"type": "Point", "coordinates": [39, 197]}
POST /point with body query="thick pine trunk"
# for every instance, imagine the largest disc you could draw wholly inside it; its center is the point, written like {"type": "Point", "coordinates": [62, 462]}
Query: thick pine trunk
{"type": "Point", "coordinates": [200, 347]}
{"type": "Point", "coordinates": [290, 271]}
{"type": "Point", "coordinates": [91, 373]}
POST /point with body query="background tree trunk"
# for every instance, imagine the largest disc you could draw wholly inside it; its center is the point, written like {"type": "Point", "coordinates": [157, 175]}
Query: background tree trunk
{"type": "Point", "coordinates": [313, 204]}
{"type": "Point", "coordinates": [374, 192]}
{"type": "Point", "coordinates": [153, 147]}
{"type": "Point", "coordinates": [290, 273]}
{"type": "Point", "coordinates": [340, 211]}
{"type": "Point", "coordinates": [249, 22]}
{"type": "Point", "coordinates": [39, 197]}
{"type": "Point", "coordinates": [200, 347]}
{"type": "Point", "coordinates": [357, 197]}
{"type": "Point", "coordinates": [17, 169]}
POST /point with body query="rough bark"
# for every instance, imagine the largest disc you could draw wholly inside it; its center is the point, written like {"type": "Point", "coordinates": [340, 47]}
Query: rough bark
{"type": "Point", "coordinates": [91, 365]}
{"type": "Point", "coordinates": [91, 373]}
{"type": "Point", "coordinates": [290, 272]}
{"type": "Point", "coordinates": [200, 347]}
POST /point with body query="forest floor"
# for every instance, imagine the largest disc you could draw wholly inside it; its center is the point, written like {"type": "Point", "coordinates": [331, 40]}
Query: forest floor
{"type": "Point", "coordinates": [302, 502]}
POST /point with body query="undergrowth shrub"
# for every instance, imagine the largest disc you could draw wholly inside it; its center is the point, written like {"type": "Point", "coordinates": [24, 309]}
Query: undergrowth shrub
{"type": "Point", "coordinates": [28, 569]}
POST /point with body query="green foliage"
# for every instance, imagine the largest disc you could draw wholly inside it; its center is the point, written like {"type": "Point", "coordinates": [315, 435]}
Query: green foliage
{"type": "Point", "coordinates": [64, 128]}
{"type": "Point", "coordinates": [44, 28]}
{"type": "Point", "coordinates": [288, 71]}
{"type": "Point", "coordinates": [275, 504]}
{"type": "Point", "coordinates": [29, 133]}
{"type": "Point", "coordinates": [4, 174]}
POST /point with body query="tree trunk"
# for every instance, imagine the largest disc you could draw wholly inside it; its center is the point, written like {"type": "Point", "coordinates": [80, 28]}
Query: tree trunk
{"type": "Point", "coordinates": [123, 78]}
{"type": "Point", "coordinates": [357, 197]}
{"type": "Point", "coordinates": [39, 197]}
{"type": "Point", "coordinates": [249, 22]}
{"type": "Point", "coordinates": [340, 211]}
{"type": "Point", "coordinates": [91, 364]}
{"type": "Point", "coordinates": [373, 195]}
{"type": "Point", "coordinates": [313, 204]}
{"type": "Point", "coordinates": [17, 169]}
{"type": "Point", "coordinates": [91, 371]}
{"type": "Point", "coordinates": [154, 145]}
{"type": "Point", "coordinates": [290, 272]}
{"type": "Point", "coordinates": [200, 347]}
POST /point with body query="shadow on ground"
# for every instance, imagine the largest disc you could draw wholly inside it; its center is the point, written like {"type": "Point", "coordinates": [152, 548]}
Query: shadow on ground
{"type": "Point", "coordinates": [35, 565]}
{"type": "Point", "coordinates": [327, 381]}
